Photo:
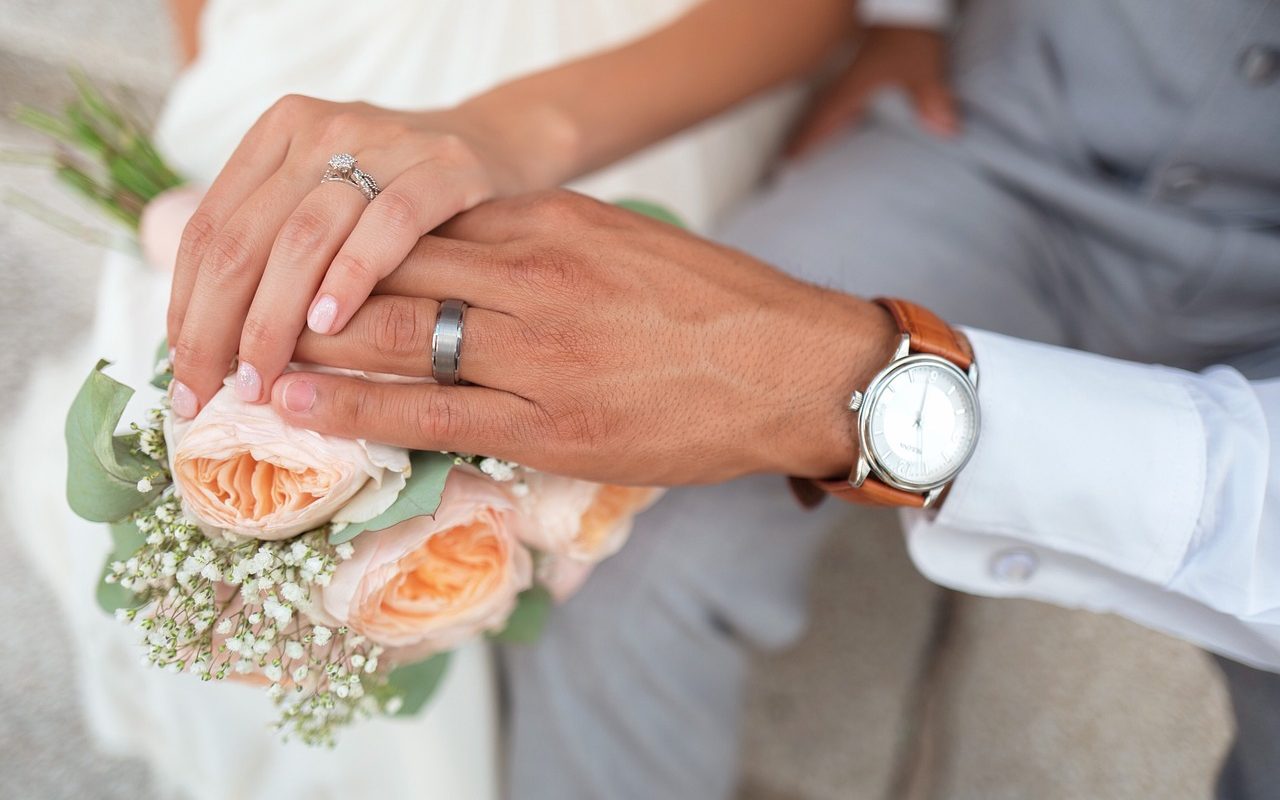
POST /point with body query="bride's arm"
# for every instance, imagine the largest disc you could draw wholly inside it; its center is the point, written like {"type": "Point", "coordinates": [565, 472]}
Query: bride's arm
{"type": "Point", "coordinates": [186, 27]}
{"type": "Point", "coordinates": [596, 110]}
{"type": "Point", "coordinates": [271, 249]}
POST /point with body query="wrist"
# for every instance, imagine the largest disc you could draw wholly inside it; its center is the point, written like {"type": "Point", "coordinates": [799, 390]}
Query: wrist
{"type": "Point", "coordinates": [536, 145]}
{"type": "Point", "coordinates": [857, 341]}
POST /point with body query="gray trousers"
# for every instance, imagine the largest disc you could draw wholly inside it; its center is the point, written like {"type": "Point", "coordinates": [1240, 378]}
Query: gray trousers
{"type": "Point", "coordinates": [1058, 216]}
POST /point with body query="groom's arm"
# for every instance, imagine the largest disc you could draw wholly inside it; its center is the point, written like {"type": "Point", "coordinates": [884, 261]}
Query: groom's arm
{"type": "Point", "coordinates": [613, 348]}
{"type": "Point", "coordinates": [585, 114]}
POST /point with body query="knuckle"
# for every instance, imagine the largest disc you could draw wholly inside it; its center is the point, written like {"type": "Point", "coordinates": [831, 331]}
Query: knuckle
{"type": "Point", "coordinates": [258, 336]}
{"type": "Point", "coordinates": [227, 257]}
{"type": "Point", "coordinates": [545, 269]}
{"type": "Point", "coordinates": [357, 268]}
{"type": "Point", "coordinates": [196, 235]}
{"type": "Point", "coordinates": [562, 207]}
{"type": "Point", "coordinates": [452, 149]}
{"type": "Point", "coordinates": [190, 355]}
{"type": "Point", "coordinates": [303, 232]}
{"type": "Point", "coordinates": [342, 124]}
{"type": "Point", "coordinates": [397, 209]}
{"type": "Point", "coordinates": [397, 328]}
{"type": "Point", "coordinates": [439, 419]}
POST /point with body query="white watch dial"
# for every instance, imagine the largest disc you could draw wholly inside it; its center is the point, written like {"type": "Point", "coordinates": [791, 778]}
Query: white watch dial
{"type": "Point", "coordinates": [922, 424]}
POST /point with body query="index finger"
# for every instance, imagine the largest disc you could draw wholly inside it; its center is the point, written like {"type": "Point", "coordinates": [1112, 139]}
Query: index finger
{"type": "Point", "coordinates": [254, 160]}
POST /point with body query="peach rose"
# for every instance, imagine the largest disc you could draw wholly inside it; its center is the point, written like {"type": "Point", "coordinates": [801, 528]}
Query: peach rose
{"type": "Point", "coordinates": [239, 468]}
{"type": "Point", "coordinates": [578, 520]}
{"type": "Point", "coordinates": [430, 583]}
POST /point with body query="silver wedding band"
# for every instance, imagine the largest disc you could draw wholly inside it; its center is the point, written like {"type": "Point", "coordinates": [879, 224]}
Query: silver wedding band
{"type": "Point", "coordinates": [342, 169]}
{"type": "Point", "coordinates": [446, 342]}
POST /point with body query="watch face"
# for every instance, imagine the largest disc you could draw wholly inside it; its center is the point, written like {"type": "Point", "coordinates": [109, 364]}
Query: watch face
{"type": "Point", "coordinates": [921, 422]}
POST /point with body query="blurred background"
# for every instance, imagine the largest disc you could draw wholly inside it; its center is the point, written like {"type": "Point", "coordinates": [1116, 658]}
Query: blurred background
{"type": "Point", "coordinates": [899, 690]}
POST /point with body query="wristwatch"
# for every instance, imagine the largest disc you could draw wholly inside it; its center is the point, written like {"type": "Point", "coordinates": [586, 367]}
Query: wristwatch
{"type": "Point", "coordinates": [916, 422]}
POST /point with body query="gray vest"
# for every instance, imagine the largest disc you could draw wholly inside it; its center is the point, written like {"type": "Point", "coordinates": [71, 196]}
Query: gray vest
{"type": "Point", "coordinates": [1148, 133]}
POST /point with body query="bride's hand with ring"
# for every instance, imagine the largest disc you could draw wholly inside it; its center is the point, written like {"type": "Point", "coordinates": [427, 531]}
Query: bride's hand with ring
{"type": "Point", "coordinates": [273, 248]}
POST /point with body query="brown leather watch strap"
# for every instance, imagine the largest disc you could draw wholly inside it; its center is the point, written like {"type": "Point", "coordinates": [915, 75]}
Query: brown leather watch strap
{"type": "Point", "coordinates": [929, 334]}
{"type": "Point", "coordinates": [872, 492]}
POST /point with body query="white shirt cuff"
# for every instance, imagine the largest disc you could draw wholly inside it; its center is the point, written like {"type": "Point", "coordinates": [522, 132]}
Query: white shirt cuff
{"type": "Point", "coordinates": [916, 13]}
{"type": "Point", "coordinates": [1086, 455]}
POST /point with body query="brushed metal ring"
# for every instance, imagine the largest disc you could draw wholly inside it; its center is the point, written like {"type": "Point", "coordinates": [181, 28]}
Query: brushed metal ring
{"type": "Point", "coordinates": [446, 342]}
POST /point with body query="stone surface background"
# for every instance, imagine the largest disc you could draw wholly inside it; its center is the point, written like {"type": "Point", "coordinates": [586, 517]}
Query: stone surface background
{"type": "Point", "coordinates": [899, 691]}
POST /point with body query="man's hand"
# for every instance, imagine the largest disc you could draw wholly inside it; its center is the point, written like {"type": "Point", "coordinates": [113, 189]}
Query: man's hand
{"type": "Point", "coordinates": [601, 345]}
{"type": "Point", "coordinates": [913, 59]}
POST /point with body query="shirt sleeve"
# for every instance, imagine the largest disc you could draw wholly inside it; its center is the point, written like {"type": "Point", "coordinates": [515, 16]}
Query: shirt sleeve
{"type": "Point", "coordinates": [921, 13]}
{"type": "Point", "coordinates": [1150, 492]}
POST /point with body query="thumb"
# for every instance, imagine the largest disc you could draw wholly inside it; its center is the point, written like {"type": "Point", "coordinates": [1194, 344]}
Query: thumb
{"type": "Point", "coordinates": [936, 107]}
{"type": "Point", "coordinates": [828, 116]}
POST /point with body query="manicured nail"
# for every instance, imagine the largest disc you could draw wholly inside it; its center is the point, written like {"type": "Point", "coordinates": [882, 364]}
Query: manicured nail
{"type": "Point", "coordinates": [248, 383]}
{"type": "Point", "coordinates": [183, 400]}
{"type": "Point", "coordinates": [323, 313]}
{"type": "Point", "coordinates": [299, 396]}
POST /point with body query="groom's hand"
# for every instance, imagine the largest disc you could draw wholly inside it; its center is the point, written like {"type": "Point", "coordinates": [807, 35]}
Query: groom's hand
{"type": "Point", "coordinates": [603, 345]}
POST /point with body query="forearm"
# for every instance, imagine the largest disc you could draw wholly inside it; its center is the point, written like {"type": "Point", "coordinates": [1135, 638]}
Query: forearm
{"type": "Point", "coordinates": [186, 27]}
{"type": "Point", "coordinates": [575, 118]}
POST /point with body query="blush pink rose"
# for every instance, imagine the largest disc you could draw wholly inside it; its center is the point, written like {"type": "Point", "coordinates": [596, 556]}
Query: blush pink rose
{"type": "Point", "coordinates": [238, 467]}
{"type": "Point", "coordinates": [578, 520]}
{"type": "Point", "coordinates": [432, 582]}
{"type": "Point", "coordinates": [162, 222]}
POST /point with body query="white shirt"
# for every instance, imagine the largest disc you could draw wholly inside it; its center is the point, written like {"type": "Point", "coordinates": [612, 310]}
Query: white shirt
{"type": "Point", "coordinates": [919, 13]}
{"type": "Point", "coordinates": [1149, 492]}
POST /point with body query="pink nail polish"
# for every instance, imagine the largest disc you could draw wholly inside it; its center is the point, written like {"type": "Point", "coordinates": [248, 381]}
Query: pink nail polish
{"type": "Point", "coordinates": [183, 400]}
{"type": "Point", "coordinates": [323, 313]}
{"type": "Point", "coordinates": [299, 396]}
{"type": "Point", "coordinates": [248, 383]}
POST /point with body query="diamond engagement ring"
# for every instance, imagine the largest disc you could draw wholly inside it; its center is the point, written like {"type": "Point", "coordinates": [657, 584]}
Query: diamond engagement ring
{"type": "Point", "coordinates": [343, 169]}
{"type": "Point", "coordinates": [446, 342]}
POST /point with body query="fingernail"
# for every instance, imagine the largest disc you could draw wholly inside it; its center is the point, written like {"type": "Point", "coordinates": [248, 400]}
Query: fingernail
{"type": "Point", "coordinates": [248, 383]}
{"type": "Point", "coordinates": [323, 313]}
{"type": "Point", "coordinates": [299, 396]}
{"type": "Point", "coordinates": [183, 400]}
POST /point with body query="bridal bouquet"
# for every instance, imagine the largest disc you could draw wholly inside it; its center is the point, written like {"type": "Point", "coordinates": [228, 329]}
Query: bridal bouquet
{"type": "Point", "coordinates": [336, 574]}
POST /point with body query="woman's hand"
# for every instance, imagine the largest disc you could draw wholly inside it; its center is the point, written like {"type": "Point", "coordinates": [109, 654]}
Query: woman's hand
{"type": "Point", "coordinates": [602, 345]}
{"type": "Point", "coordinates": [913, 59]}
{"type": "Point", "coordinates": [272, 249]}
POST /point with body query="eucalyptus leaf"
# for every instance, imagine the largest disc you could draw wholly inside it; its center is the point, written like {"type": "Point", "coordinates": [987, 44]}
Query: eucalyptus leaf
{"type": "Point", "coordinates": [103, 469]}
{"type": "Point", "coordinates": [414, 684]}
{"type": "Point", "coordinates": [525, 624]}
{"type": "Point", "coordinates": [161, 380]}
{"type": "Point", "coordinates": [420, 496]}
{"type": "Point", "coordinates": [126, 540]}
{"type": "Point", "coordinates": [651, 209]}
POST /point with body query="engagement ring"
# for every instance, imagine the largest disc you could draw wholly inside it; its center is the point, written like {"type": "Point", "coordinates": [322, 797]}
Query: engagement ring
{"type": "Point", "coordinates": [343, 169]}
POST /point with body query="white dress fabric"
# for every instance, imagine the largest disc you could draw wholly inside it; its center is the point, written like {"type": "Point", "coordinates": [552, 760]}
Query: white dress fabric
{"type": "Point", "coordinates": [205, 740]}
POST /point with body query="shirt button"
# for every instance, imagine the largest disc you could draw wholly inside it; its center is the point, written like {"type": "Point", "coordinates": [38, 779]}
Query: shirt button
{"type": "Point", "coordinates": [1014, 566]}
{"type": "Point", "coordinates": [1259, 64]}
{"type": "Point", "coordinates": [1180, 181]}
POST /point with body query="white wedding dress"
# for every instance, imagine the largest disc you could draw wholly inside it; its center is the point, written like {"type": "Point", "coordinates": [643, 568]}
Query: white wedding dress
{"type": "Point", "coordinates": [212, 740]}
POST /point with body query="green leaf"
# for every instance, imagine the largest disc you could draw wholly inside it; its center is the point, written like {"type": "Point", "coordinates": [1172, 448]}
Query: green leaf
{"type": "Point", "coordinates": [126, 540]}
{"type": "Point", "coordinates": [525, 624]}
{"type": "Point", "coordinates": [102, 469]}
{"type": "Point", "coordinates": [651, 209]}
{"type": "Point", "coordinates": [419, 498]}
{"type": "Point", "coordinates": [414, 684]}
{"type": "Point", "coordinates": [161, 380]}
